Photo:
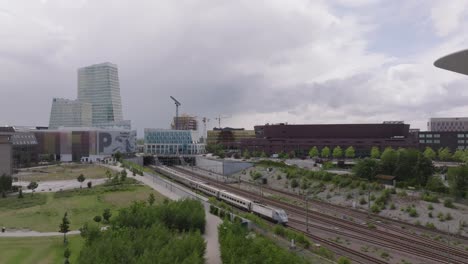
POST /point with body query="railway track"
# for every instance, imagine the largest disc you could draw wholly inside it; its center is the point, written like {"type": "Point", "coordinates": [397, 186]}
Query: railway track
{"type": "Point", "coordinates": [408, 243]}
{"type": "Point", "coordinates": [363, 215]}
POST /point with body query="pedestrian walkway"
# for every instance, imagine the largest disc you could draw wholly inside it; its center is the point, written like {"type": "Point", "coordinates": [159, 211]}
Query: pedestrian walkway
{"type": "Point", "coordinates": [212, 254]}
{"type": "Point", "coordinates": [29, 233]}
{"type": "Point", "coordinates": [175, 192]}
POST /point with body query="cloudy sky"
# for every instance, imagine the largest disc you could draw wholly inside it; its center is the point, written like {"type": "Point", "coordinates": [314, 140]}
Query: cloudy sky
{"type": "Point", "coordinates": [296, 61]}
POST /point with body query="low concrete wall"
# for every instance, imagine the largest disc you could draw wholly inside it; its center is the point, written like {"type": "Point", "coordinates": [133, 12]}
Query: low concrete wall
{"type": "Point", "coordinates": [223, 167]}
{"type": "Point", "coordinates": [138, 160]}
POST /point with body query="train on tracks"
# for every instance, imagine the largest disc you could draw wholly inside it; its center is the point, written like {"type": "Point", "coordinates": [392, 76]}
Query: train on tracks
{"type": "Point", "coordinates": [273, 214]}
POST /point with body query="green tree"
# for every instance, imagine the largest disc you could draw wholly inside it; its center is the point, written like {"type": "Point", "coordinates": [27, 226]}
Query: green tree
{"type": "Point", "coordinates": [325, 153]}
{"type": "Point", "coordinates": [5, 183]}
{"type": "Point", "coordinates": [444, 154]}
{"type": "Point", "coordinates": [458, 181]}
{"type": "Point", "coordinates": [430, 153]}
{"type": "Point", "coordinates": [263, 155]}
{"type": "Point", "coordinates": [90, 232]}
{"type": "Point", "coordinates": [123, 175]}
{"type": "Point", "coordinates": [118, 156]}
{"type": "Point", "coordinates": [422, 170]}
{"type": "Point", "coordinates": [388, 161]}
{"type": "Point", "coordinates": [67, 254]}
{"type": "Point", "coordinates": [108, 174]}
{"type": "Point", "coordinates": [458, 155]}
{"type": "Point", "coordinates": [97, 219]}
{"type": "Point", "coordinates": [81, 179]}
{"type": "Point", "coordinates": [64, 227]}
{"type": "Point", "coordinates": [246, 154]}
{"type": "Point", "coordinates": [106, 215]}
{"type": "Point", "coordinates": [366, 168]}
{"type": "Point", "coordinates": [313, 152]}
{"type": "Point", "coordinates": [151, 199]}
{"type": "Point", "coordinates": [350, 152]}
{"type": "Point", "coordinates": [406, 161]}
{"type": "Point", "coordinates": [32, 186]}
{"type": "Point", "coordinates": [20, 194]}
{"type": "Point", "coordinates": [337, 152]}
{"type": "Point", "coordinates": [375, 153]}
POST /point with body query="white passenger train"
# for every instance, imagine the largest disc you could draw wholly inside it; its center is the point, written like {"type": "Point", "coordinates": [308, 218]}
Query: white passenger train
{"type": "Point", "coordinates": [265, 211]}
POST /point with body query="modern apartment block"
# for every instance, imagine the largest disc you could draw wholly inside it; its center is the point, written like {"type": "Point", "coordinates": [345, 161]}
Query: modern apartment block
{"type": "Point", "coordinates": [99, 85]}
{"type": "Point", "coordinates": [70, 113]}
{"type": "Point", "coordinates": [166, 142]}
{"type": "Point", "coordinates": [448, 124]}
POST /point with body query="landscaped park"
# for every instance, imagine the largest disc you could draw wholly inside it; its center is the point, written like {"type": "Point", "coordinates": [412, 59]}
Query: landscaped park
{"type": "Point", "coordinates": [42, 211]}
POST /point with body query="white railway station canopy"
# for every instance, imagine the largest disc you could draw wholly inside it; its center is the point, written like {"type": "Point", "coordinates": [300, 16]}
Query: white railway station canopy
{"type": "Point", "coordinates": [456, 62]}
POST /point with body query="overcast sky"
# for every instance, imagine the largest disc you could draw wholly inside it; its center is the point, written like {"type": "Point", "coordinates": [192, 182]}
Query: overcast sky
{"type": "Point", "coordinates": [295, 61]}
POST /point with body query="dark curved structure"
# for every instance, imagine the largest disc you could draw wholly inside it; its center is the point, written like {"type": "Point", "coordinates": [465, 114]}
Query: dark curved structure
{"type": "Point", "coordinates": [456, 62]}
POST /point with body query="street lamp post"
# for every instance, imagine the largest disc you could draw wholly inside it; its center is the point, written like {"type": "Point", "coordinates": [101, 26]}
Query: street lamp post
{"type": "Point", "coordinates": [307, 212]}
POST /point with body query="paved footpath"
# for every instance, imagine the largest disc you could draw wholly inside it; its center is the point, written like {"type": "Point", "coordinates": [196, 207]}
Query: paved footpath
{"type": "Point", "coordinates": [176, 192]}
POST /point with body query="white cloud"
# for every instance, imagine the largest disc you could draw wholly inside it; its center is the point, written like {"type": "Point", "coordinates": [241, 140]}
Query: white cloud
{"type": "Point", "coordinates": [294, 61]}
{"type": "Point", "coordinates": [447, 15]}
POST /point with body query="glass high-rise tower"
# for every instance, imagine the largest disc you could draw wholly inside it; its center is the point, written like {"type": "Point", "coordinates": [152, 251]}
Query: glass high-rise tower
{"type": "Point", "coordinates": [99, 85]}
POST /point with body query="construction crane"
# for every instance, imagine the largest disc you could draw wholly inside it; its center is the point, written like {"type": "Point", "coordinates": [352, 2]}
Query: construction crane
{"type": "Point", "coordinates": [177, 104]}
{"type": "Point", "coordinates": [219, 119]}
{"type": "Point", "coordinates": [205, 120]}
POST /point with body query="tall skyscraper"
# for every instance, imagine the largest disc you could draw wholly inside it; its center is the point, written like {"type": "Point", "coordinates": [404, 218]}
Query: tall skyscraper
{"type": "Point", "coordinates": [99, 85]}
{"type": "Point", "coordinates": [70, 113]}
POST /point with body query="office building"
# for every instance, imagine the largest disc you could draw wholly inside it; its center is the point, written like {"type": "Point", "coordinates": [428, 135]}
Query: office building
{"type": "Point", "coordinates": [277, 138]}
{"type": "Point", "coordinates": [70, 113]}
{"type": "Point", "coordinates": [444, 139]}
{"type": "Point", "coordinates": [24, 148]}
{"type": "Point", "coordinates": [6, 151]}
{"type": "Point", "coordinates": [229, 138]}
{"type": "Point", "coordinates": [448, 124]}
{"type": "Point", "coordinates": [167, 142]}
{"type": "Point", "coordinates": [99, 85]}
{"type": "Point", "coordinates": [84, 144]}
{"type": "Point", "coordinates": [184, 122]}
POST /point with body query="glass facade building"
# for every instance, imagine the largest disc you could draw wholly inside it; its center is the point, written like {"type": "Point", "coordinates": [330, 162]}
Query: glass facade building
{"type": "Point", "coordinates": [172, 142]}
{"type": "Point", "coordinates": [70, 113]}
{"type": "Point", "coordinates": [99, 85]}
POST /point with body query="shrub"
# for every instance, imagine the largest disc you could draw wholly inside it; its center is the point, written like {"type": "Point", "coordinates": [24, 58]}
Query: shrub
{"type": "Point", "coordinates": [392, 206]}
{"type": "Point", "coordinates": [375, 208]}
{"type": "Point", "coordinates": [429, 197]}
{"type": "Point", "coordinates": [343, 260]}
{"type": "Point", "coordinates": [448, 216]}
{"type": "Point", "coordinates": [449, 203]}
{"type": "Point", "coordinates": [430, 225]}
{"type": "Point", "coordinates": [402, 194]}
{"type": "Point", "coordinates": [362, 201]}
{"type": "Point", "coordinates": [441, 216]}
{"type": "Point", "coordinates": [430, 214]}
{"type": "Point", "coordinates": [430, 207]}
{"type": "Point", "coordinates": [412, 212]}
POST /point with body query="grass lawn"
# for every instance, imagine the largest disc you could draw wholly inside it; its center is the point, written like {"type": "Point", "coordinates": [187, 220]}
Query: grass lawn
{"type": "Point", "coordinates": [63, 172]}
{"type": "Point", "coordinates": [38, 250]}
{"type": "Point", "coordinates": [44, 211]}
